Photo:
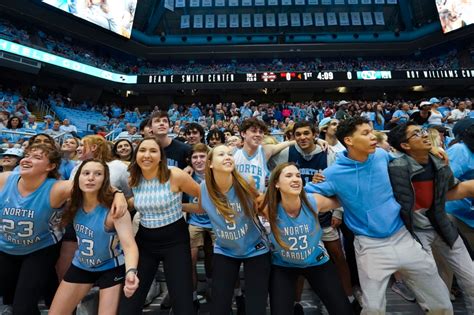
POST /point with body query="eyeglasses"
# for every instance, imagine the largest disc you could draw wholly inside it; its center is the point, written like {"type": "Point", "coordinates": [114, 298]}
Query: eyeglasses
{"type": "Point", "coordinates": [418, 134]}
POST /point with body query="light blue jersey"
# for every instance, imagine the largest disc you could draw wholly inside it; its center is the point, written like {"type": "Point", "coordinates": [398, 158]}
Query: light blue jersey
{"type": "Point", "coordinates": [98, 248]}
{"type": "Point", "coordinates": [238, 239]}
{"type": "Point", "coordinates": [27, 224]}
{"type": "Point", "coordinates": [198, 219]}
{"type": "Point", "coordinates": [253, 166]}
{"type": "Point", "coordinates": [461, 161]}
{"type": "Point", "coordinates": [302, 235]}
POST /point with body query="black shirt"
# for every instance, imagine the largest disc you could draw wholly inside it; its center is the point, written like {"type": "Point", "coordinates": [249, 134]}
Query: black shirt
{"type": "Point", "coordinates": [176, 154]}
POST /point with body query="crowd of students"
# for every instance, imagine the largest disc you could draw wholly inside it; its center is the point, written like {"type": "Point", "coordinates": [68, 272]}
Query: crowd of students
{"type": "Point", "coordinates": [118, 62]}
{"type": "Point", "coordinates": [343, 213]}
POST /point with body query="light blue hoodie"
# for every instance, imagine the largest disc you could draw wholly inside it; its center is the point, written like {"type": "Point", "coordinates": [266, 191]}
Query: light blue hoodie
{"type": "Point", "coordinates": [365, 192]}
{"type": "Point", "coordinates": [461, 161]}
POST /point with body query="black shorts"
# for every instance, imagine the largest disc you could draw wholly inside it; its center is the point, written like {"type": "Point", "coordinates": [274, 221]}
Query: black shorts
{"type": "Point", "coordinates": [103, 279]}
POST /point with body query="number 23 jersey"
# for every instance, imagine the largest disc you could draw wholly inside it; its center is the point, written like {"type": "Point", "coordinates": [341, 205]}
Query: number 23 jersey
{"type": "Point", "coordinates": [302, 236]}
{"type": "Point", "coordinates": [27, 223]}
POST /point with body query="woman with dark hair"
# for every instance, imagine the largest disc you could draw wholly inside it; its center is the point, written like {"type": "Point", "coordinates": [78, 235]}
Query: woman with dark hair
{"type": "Point", "coordinates": [30, 240]}
{"type": "Point", "coordinates": [92, 147]}
{"type": "Point", "coordinates": [163, 232]}
{"type": "Point", "coordinates": [230, 202]}
{"type": "Point", "coordinates": [296, 235]}
{"type": "Point", "coordinates": [13, 124]}
{"type": "Point", "coordinates": [123, 150]}
{"type": "Point", "coordinates": [105, 244]}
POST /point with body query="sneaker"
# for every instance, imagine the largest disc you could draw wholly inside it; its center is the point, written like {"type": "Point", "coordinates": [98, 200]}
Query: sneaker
{"type": "Point", "coordinates": [357, 292]}
{"type": "Point", "coordinates": [166, 303]}
{"type": "Point", "coordinates": [240, 302]}
{"type": "Point", "coordinates": [153, 292]}
{"type": "Point", "coordinates": [401, 289]}
{"type": "Point", "coordinates": [6, 310]}
{"type": "Point", "coordinates": [298, 309]}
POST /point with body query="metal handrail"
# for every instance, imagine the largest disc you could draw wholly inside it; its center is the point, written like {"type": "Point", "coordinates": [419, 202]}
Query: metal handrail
{"type": "Point", "coordinates": [23, 133]}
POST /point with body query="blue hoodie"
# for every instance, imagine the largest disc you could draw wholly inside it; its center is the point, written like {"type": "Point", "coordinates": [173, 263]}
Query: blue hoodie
{"type": "Point", "coordinates": [365, 192]}
{"type": "Point", "coordinates": [461, 161]}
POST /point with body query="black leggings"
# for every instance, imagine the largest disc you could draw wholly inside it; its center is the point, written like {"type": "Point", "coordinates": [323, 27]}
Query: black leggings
{"type": "Point", "coordinates": [169, 244]}
{"type": "Point", "coordinates": [24, 279]}
{"type": "Point", "coordinates": [350, 253]}
{"type": "Point", "coordinates": [323, 279]}
{"type": "Point", "coordinates": [225, 271]}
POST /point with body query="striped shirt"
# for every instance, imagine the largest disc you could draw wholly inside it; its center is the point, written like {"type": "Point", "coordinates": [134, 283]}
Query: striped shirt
{"type": "Point", "coordinates": [156, 203]}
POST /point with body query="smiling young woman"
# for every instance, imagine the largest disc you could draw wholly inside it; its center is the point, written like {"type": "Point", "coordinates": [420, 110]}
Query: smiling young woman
{"type": "Point", "coordinates": [107, 252]}
{"type": "Point", "coordinates": [299, 250]}
{"type": "Point", "coordinates": [229, 201]}
{"type": "Point", "coordinates": [30, 242]}
{"type": "Point", "coordinates": [163, 233]}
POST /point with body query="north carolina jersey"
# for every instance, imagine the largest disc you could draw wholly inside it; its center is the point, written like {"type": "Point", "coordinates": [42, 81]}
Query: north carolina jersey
{"type": "Point", "coordinates": [253, 166]}
{"type": "Point", "coordinates": [28, 223]}
{"type": "Point", "coordinates": [98, 249]}
{"type": "Point", "coordinates": [302, 235]}
{"type": "Point", "coordinates": [238, 239]}
{"type": "Point", "coordinates": [308, 168]}
{"type": "Point", "coordinates": [198, 219]}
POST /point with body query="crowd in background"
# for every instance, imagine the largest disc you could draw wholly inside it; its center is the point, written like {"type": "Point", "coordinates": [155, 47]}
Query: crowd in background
{"type": "Point", "coordinates": [69, 48]}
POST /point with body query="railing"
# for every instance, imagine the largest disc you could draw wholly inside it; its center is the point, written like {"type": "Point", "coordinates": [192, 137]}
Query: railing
{"type": "Point", "coordinates": [45, 109]}
{"type": "Point", "coordinates": [58, 138]}
{"type": "Point", "coordinates": [21, 133]}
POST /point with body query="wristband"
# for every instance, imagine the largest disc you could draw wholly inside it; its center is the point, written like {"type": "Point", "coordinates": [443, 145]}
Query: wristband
{"type": "Point", "coordinates": [118, 191]}
{"type": "Point", "coordinates": [134, 270]}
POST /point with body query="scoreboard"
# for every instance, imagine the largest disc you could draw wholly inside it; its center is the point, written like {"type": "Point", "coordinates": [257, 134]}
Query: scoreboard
{"type": "Point", "coordinates": [339, 76]}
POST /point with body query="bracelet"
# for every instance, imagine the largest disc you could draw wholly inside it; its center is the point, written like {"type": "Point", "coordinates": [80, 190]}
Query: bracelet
{"type": "Point", "coordinates": [118, 191]}
{"type": "Point", "coordinates": [134, 270]}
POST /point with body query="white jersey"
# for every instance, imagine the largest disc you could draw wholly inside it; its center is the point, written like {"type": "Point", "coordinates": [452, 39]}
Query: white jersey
{"type": "Point", "coordinates": [253, 166]}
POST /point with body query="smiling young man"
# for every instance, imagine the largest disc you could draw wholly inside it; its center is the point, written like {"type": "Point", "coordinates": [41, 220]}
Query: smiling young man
{"type": "Point", "coordinates": [359, 179]}
{"type": "Point", "coordinates": [200, 227]}
{"type": "Point", "coordinates": [422, 183]}
{"type": "Point", "coordinates": [251, 160]}
{"type": "Point", "coordinates": [175, 151]}
{"type": "Point", "coordinates": [194, 134]}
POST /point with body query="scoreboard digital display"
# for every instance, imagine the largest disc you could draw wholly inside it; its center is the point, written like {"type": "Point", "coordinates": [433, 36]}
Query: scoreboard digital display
{"type": "Point", "coordinates": [274, 77]}
{"type": "Point", "coordinates": [340, 77]}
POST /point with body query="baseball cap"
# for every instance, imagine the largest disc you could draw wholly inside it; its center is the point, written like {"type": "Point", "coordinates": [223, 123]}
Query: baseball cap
{"type": "Point", "coordinates": [342, 103]}
{"type": "Point", "coordinates": [14, 152]}
{"type": "Point", "coordinates": [324, 122]}
{"type": "Point", "coordinates": [48, 116]}
{"type": "Point", "coordinates": [434, 100]}
{"type": "Point", "coordinates": [422, 104]}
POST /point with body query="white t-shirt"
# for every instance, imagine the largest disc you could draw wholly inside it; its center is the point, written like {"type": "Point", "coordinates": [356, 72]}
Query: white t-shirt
{"type": "Point", "coordinates": [435, 118]}
{"type": "Point", "coordinates": [458, 115]}
{"type": "Point", "coordinates": [70, 128]}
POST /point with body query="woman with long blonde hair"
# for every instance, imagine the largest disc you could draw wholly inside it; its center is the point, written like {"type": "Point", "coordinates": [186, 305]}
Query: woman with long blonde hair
{"type": "Point", "coordinates": [298, 248]}
{"type": "Point", "coordinates": [229, 201]}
